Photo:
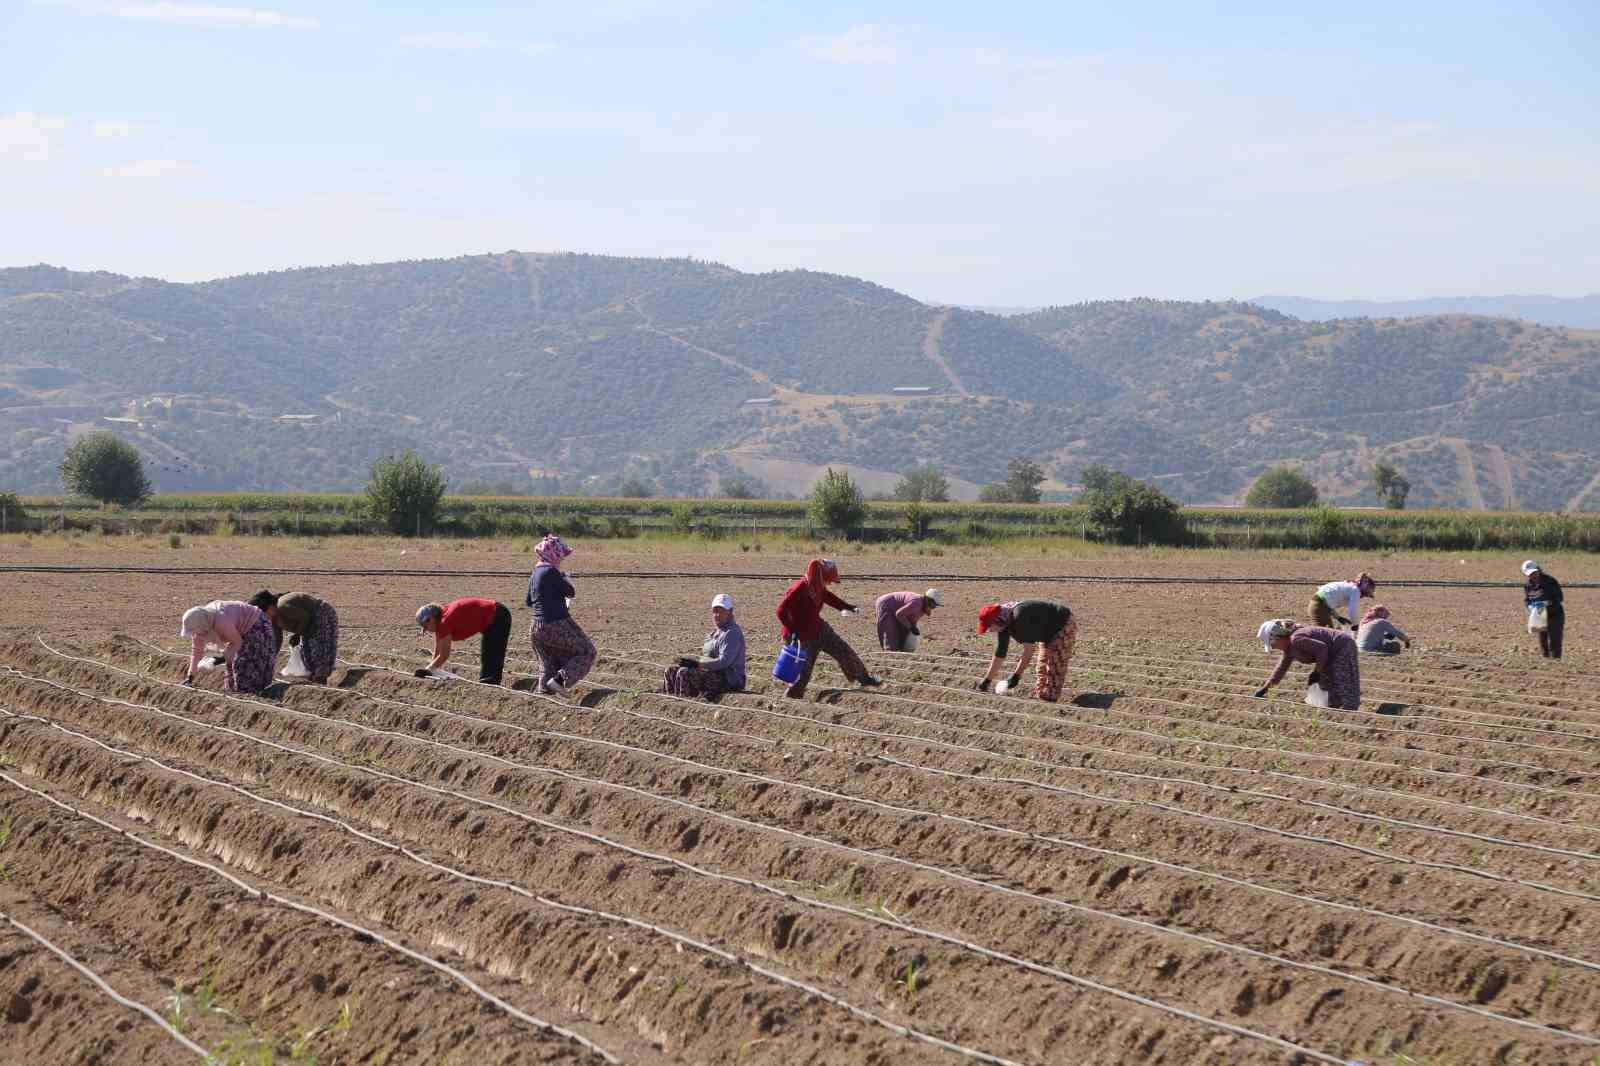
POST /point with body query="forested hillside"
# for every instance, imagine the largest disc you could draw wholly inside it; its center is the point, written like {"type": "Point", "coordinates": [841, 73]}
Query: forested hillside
{"type": "Point", "coordinates": [527, 370]}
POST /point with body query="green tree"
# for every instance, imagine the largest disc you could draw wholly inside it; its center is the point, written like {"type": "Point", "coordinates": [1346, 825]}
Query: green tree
{"type": "Point", "coordinates": [737, 488]}
{"type": "Point", "coordinates": [922, 484]}
{"type": "Point", "coordinates": [1135, 513]}
{"type": "Point", "coordinates": [998, 492]}
{"type": "Point", "coordinates": [405, 492]}
{"type": "Point", "coordinates": [1023, 478]}
{"type": "Point", "coordinates": [1393, 486]}
{"type": "Point", "coordinates": [105, 467]}
{"type": "Point", "coordinates": [836, 502]}
{"type": "Point", "coordinates": [1099, 478]}
{"type": "Point", "coordinates": [1282, 486]}
{"type": "Point", "coordinates": [634, 488]}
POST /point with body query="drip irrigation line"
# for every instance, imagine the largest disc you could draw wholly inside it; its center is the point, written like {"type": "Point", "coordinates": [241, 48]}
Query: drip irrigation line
{"type": "Point", "coordinates": [786, 577]}
{"type": "Point", "coordinates": [315, 912]}
{"type": "Point", "coordinates": [597, 839]}
{"type": "Point", "coordinates": [100, 982]}
{"type": "Point", "coordinates": [1210, 786]}
{"type": "Point", "coordinates": [676, 937]}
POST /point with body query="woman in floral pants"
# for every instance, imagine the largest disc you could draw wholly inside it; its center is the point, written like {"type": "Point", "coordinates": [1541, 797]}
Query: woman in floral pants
{"type": "Point", "coordinates": [1032, 622]}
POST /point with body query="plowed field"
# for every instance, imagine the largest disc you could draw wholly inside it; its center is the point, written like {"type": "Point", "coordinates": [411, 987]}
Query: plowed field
{"type": "Point", "coordinates": [1163, 870]}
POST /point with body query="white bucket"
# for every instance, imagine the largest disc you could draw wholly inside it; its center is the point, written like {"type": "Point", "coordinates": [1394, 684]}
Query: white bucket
{"type": "Point", "coordinates": [911, 642]}
{"type": "Point", "coordinates": [296, 666]}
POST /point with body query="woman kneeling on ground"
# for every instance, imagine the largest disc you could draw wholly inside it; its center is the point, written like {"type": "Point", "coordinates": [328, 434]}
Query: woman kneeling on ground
{"type": "Point", "coordinates": [565, 651]}
{"type": "Point", "coordinates": [1379, 634]}
{"type": "Point", "coordinates": [1335, 597]}
{"type": "Point", "coordinates": [245, 635]}
{"type": "Point", "coordinates": [800, 611]}
{"type": "Point", "coordinates": [1332, 652]}
{"type": "Point", "coordinates": [899, 613]}
{"type": "Point", "coordinates": [464, 618]}
{"type": "Point", "coordinates": [312, 625]}
{"type": "Point", "coordinates": [1031, 622]}
{"type": "Point", "coordinates": [720, 666]}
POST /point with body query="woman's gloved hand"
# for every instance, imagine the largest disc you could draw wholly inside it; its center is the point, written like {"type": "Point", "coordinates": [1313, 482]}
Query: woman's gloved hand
{"type": "Point", "coordinates": [1014, 680]}
{"type": "Point", "coordinates": [688, 660]}
{"type": "Point", "coordinates": [983, 686]}
{"type": "Point", "coordinates": [1260, 693]}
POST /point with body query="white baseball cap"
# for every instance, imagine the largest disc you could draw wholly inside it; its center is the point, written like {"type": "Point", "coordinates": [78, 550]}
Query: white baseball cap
{"type": "Point", "coordinates": [1529, 566]}
{"type": "Point", "coordinates": [723, 600]}
{"type": "Point", "coordinates": [936, 595]}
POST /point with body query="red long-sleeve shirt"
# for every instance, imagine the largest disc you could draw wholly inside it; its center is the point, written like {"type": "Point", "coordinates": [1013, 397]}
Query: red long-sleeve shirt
{"type": "Point", "coordinates": [801, 615]}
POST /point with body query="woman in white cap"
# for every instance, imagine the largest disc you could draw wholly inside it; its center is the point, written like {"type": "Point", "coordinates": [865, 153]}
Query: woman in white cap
{"type": "Point", "coordinates": [243, 632]}
{"type": "Point", "coordinates": [898, 615]}
{"type": "Point", "coordinates": [1542, 590]}
{"type": "Point", "coordinates": [1331, 651]}
{"type": "Point", "coordinates": [719, 667]}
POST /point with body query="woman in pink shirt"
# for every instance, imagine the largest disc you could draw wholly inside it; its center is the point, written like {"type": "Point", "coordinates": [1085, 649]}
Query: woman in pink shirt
{"type": "Point", "coordinates": [243, 632]}
{"type": "Point", "coordinates": [899, 613]}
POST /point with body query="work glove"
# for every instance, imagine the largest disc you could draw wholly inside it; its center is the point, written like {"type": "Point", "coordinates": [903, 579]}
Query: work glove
{"type": "Point", "coordinates": [188, 680]}
{"type": "Point", "coordinates": [294, 640]}
{"type": "Point", "coordinates": [915, 631]}
{"type": "Point", "coordinates": [1260, 693]}
{"type": "Point", "coordinates": [1014, 680]}
{"type": "Point", "coordinates": [1344, 621]}
{"type": "Point", "coordinates": [983, 686]}
{"type": "Point", "coordinates": [1314, 679]}
{"type": "Point", "coordinates": [420, 672]}
{"type": "Point", "coordinates": [688, 660]}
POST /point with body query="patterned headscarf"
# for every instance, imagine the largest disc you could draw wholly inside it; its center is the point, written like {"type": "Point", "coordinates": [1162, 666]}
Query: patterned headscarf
{"type": "Point", "coordinates": [551, 550]}
{"type": "Point", "coordinates": [820, 573]}
{"type": "Point", "coordinates": [1275, 629]}
{"type": "Point", "coordinates": [1375, 612]}
{"type": "Point", "coordinates": [995, 615]}
{"type": "Point", "coordinates": [1365, 585]}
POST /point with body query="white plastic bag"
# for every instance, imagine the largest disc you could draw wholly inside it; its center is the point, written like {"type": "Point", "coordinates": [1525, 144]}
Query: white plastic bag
{"type": "Point", "coordinates": [1316, 695]}
{"type": "Point", "coordinates": [911, 642]}
{"type": "Point", "coordinates": [296, 667]}
{"type": "Point", "coordinates": [1538, 618]}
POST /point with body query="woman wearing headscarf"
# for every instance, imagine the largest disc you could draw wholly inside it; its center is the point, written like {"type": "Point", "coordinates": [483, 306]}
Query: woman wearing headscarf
{"type": "Point", "coordinates": [1341, 600]}
{"type": "Point", "coordinates": [1031, 623]}
{"type": "Point", "coordinates": [312, 625]}
{"type": "Point", "coordinates": [1542, 590]}
{"type": "Point", "coordinates": [899, 613]}
{"type": "Point", "coordinates": [242, 632]}
{"type": "Point", "coordinates": [800, 611]}
{"type": "Point", "coordinates": [566, 652]}
{"type": "Point", "coordinates": [1331, 652]}
{"type": "Point", "coordinates": [1379, 634]}
{"type": "Point", "coordinates": [720, 666]}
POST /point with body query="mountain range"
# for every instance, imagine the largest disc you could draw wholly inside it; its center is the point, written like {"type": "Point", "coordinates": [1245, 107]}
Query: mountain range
{"type": "Point", "coordinates": [1579, 312]}
{"type": "Point", "coordinates": [572, 372]}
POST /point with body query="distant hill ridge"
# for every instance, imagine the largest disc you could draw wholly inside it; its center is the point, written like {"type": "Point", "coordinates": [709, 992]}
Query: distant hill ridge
{"type": "Point", "coordinates": [587, 368]}
{"type": "Point", "coordinates": [1578, 312]}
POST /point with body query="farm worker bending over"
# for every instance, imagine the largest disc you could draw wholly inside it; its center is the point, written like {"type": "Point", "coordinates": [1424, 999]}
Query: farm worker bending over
{"type": "Point", "coordinates": [1379, 634]}
{"type": "Point", "coordinates": [245, 636]}
{"type": "Point", "coordinates": [1544, 590]}
{"type": "Point", "coordinates": [312, 625]}
{"type": "Point", "coordinates": [1341, 600]}
{"type": "Point", "coordinates": [899, 613]}
{"type": "Point", "coordinates": [1331, 651]}
{"type": "Point", "coordinates": [566, 652]}
{"type": "Point", "coordinates": [1032, 622]}
{"type": "Point", "coordinates": [464, 618]}
{"type": "Point", "coordinates": [720, 666]}
{"type": "Point", "coordinates": [800, 611]}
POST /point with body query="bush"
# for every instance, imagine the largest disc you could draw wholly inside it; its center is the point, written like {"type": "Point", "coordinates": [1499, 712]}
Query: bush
{"type": "Point", "coordinates": [836, 503]}
{"type": "Point", "coordinates": [12, 513]}
{"type": "Point", "coordinates": [105, 467]}
{"type": "Point", "coordinates": [1282, 486]}
{"type": "Point", "coordinates": [999, 492]}
{"type": "Point", "coordinates": [404, 493]}
{"type": "Point", "coordinates": [1135, 513]}
{"type": "Point", "coordinates": [1393, 487]}
{"type": "Point", "coordinates": [619, 526]}
{"type": "Point", "coordinates": [682, 518]}
{"type": "Point", "coordinates": [634, 489]}
{"type": "Point", "coordinates": [1023, 478]}
{"type": "Point", "coordinates": [922, 484]}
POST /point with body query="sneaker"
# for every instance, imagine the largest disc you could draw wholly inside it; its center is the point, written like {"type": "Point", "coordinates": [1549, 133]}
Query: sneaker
{"type": "Point", "coordinates": [555, 687]}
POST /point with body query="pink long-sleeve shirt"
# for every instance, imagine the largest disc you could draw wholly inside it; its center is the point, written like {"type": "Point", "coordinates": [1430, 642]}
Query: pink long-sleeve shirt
{"type": "Point", "coordinates": [905, 606]}
{"type": "Point", "coordinates": [231, 620]}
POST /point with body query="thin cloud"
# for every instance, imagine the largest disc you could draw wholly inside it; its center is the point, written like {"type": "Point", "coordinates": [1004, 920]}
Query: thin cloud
{"type": "Point", "coordinates": [872, 44]}
{"type": "Point", "coordinates": [463, 42]}
{"type": "Point", "coordinates": [27, 137]}
{"type": "Point", "coordinates": [154, 169]}
{"type": "Point", "coordinates": [433, 181]}
{"type": "Point", "coordinates": [194, 14]}
{"type": "Point", "coordinates": [109, 128]}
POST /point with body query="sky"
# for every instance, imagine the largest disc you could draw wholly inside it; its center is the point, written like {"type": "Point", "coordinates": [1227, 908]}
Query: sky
{"type": "Point", "coordinates": [1011, 154]}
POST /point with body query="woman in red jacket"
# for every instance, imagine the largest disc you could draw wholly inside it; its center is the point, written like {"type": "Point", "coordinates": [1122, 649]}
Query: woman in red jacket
{"type": "Point", "coordinates": [800, 611]}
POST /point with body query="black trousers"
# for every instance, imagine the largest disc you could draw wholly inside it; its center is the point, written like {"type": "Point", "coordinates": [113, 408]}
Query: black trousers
{"type": "Point", "coordinates": [493, 661]}
{"type": "Point", "coordinates": [1550, 639]}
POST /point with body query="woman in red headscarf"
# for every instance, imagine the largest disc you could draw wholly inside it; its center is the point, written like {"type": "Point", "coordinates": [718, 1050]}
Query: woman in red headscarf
{"type": "Point", "coordinates": [1032, 623]}
{"type": "Point", "coordinates": [800, 611]}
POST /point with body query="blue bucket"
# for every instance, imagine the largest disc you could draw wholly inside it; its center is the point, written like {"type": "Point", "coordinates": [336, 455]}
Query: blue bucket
{"type": "Point", "coordinates": [791, 660]}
